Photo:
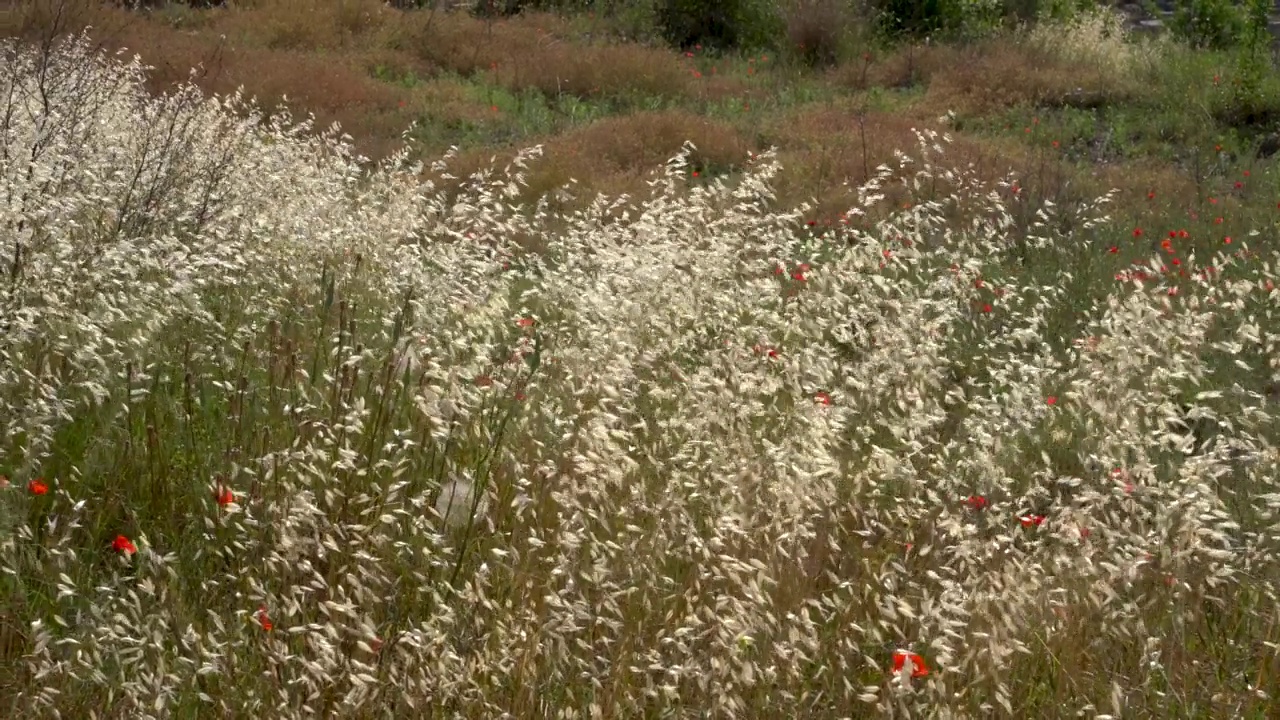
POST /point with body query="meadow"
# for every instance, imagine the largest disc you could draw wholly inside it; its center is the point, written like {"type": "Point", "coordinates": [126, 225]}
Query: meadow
{"type": "Point", "coordinates": [808, 392]}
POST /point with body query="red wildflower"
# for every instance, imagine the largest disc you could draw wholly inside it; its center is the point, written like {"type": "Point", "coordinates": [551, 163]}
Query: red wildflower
{"type": "Point", "coordinates": [37, 487]}
{"type": "Point", "coordinates": [1151, 196]}
{"type": "Point", "coordinates": [977, 502]}
{"type": "Point", "coordinates": [124, 545]}
{"type": "Point", "coordinates": [986, 308]}
{"type": "Point", "coordinates": [1031, 520]}
{"type": "Point", "coordinates": [822, 397]}
{"type": "Point", "coordinates": [1137, 232]}
{"type": "Point", "coordinates": [1051, 400]}
{"type": "Point", "coordinates": [1226, 240]}
{"type": "Point", "coordinates": [263, 619]}
{"type": "Point", "coordinates": [1239, 184]}
{"type": "Point", "coordinates": [1114, 249]}
{"type": "Point", "coordinates": [525, 322]}
{"type": "Point", "coordinates": [918, 669]}
{"type": "Point", "coordinates": [223, 496]}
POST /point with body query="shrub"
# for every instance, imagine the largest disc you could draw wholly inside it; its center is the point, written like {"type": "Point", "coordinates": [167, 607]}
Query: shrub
{"type": "Point", "coordinates": [1208, 24]}
{"type": "Point", "coordinates": [817, 29]}
{"type": "Point", "coordinates": [720, 24]}
{"type": "Point", "coordinates": [915, 18]}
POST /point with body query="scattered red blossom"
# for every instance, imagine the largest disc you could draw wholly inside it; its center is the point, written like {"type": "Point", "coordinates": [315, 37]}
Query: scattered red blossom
{"type": "Point", "coordinates": [124, 545]}
{"type": "Point", "coordinates": [223, 496]}
{"type": "Point", "coordinates": [918, 668]}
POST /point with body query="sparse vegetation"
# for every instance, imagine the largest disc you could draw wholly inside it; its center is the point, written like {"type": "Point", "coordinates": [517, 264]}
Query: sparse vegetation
{"type": "Point", "coordinates": [930, 379]}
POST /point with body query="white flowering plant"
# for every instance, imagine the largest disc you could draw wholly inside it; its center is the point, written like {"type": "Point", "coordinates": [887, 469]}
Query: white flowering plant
{"type": "Point", "coordinates": [284, 433]}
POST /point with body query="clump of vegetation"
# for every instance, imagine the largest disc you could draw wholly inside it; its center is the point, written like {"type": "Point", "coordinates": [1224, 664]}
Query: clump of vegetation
{"type": "Point", "coordinates": [287, 433]}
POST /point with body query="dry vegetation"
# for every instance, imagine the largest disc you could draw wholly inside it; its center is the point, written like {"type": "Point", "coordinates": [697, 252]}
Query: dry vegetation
{"type": "Point", "coordinates": [284, 433]}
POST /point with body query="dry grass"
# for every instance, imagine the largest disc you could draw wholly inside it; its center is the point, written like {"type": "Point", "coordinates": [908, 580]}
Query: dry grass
{"type": "Point", "coordinates": [717, 465]}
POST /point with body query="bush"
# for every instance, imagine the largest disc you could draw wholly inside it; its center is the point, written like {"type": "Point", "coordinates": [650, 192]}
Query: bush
{"type": "Point", "coordinates": [720, 24]}
{"type": "Point", "coordinates": [816, 29]}
{"type": "Point", "coordinates": [1208, 24]}
{"type": "Point", "coordinates": [914, 18]}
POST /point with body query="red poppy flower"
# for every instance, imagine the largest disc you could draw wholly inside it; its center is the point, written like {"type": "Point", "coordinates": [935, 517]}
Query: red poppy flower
{"type": "Point", "coordinates": [977, 502]}
{"type": "Point", "coordinates": [124, 545]}
{"type": "Point", "coordinates": [1137, 232]}
{"type": "Point", "coordinates": [263, 619]}
{"type": "Point", "coordinates": [223, 496]}
{"type": "Point", "coordinates": [1113, 249]}
{"type": "Point", "coordinates": [1151, 196]}
{"type": "Point", "coordinates": [1051, 400]}
{"type": "Point", "coordinates": [986, 308]}
{"type": "Point", "coordinates": [1031, 520]}
{"type": "Point", "coordinates": [525, 322]}
{"type": "Point", "coordinates": [37, 487]}
{"type": "Point", "coordinates": [918, 668]}
{"type": "Point", "coordinates": [822, 397]}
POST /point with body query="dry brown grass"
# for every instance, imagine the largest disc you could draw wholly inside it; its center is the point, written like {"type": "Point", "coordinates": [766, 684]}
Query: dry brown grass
{"type": "Point", "coordinates": [996, 75]}
{"type": "Point", "coordinates": [536, 51]}
{"type": "Point", "coordinates": [619, 155]}
{"type": "Point", "coordinates": [987, 77]}
{"type": "Point", "coordinates": [827, 152]}
{"type": "Point", "coordinates": [310, 24]}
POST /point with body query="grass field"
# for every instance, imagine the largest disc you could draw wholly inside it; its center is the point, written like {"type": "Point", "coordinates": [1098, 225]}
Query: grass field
{"type": "Point", "coordinates": [937, 381]}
